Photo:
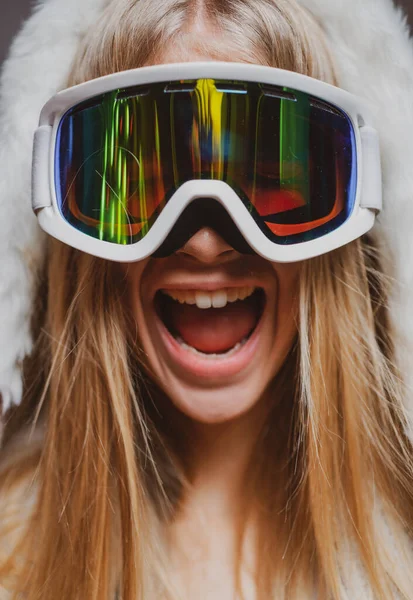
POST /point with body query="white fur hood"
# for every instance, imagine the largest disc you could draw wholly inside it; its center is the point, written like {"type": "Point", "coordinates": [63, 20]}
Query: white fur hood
{"type": "Point", "coordinates": [374, 53]}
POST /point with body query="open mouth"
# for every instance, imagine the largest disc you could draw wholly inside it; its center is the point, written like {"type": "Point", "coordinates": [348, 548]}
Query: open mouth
{"type": "Point", "coordinates": [212, 324]}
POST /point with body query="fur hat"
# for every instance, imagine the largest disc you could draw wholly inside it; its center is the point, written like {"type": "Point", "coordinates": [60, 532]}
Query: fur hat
{"type": "Point", "coordinates": [372, 48]}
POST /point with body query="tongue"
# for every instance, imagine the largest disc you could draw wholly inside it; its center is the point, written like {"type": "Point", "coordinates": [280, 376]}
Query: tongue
{"type": "Point", "coordinates": [213, 330]}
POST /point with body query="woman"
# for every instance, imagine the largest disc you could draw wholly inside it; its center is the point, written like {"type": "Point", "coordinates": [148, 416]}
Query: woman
{"type": "Point", "coordinates": [280, 464]}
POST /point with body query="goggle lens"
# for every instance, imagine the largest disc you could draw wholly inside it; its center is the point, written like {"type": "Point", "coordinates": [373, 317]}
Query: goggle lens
{"type": "Point", "coordinates": [289, 156]}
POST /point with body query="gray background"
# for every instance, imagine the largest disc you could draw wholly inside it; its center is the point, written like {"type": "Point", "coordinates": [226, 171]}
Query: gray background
{"type": "Point", "coordinates": [13, 12]}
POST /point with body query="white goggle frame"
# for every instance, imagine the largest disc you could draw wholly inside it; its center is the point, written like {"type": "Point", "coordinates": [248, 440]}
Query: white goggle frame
{"type": "Point", "coordinates": [368, 201]}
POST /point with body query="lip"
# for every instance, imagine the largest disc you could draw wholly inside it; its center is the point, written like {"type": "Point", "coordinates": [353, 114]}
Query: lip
{"type": "Point", "coordinates": [209, 368]}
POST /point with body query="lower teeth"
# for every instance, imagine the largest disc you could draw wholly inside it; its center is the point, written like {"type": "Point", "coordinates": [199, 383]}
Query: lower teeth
{"type": "Point", "coordinates": [212, 356]}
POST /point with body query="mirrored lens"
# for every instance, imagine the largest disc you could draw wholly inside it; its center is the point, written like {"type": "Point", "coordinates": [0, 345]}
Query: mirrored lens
{"type": "Point", "coordinates": [289, 156]}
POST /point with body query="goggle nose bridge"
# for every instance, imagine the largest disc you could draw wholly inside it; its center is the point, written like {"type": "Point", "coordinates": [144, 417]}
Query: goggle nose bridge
{"type": "Point", "coordinates": [203, 211]}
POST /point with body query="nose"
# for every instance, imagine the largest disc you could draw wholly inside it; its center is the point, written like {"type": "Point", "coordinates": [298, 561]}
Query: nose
{"type": "Point", "coordinates": [208, 247]}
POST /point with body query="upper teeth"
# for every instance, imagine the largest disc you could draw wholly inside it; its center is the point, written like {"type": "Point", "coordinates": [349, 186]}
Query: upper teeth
{"type": "Point", "coordinates": [205, 299]}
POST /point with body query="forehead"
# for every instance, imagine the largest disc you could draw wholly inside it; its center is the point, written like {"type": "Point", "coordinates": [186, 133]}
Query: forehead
{"type": "Point", "coordinates": [206, 44]}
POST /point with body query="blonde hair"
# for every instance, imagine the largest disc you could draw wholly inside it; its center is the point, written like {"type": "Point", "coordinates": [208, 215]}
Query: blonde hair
{"type": "Point", "coordinates": [109, 475]}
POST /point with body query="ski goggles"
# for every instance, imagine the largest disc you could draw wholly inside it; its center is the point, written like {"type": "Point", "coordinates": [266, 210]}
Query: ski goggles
{"type": "Point", "coordinates": [294, 161]}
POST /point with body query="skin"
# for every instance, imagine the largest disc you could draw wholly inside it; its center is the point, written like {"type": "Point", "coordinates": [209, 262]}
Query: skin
{"type": "Point", "coordinates": [226, 412]}
{"type": "Point", "coordinates": [206, 258]}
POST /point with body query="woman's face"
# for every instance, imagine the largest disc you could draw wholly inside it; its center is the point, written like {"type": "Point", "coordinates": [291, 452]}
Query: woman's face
{"type": "Point", "coordinates": [213, 363]}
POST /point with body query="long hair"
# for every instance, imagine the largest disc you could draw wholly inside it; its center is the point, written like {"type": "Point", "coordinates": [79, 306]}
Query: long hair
{"type": "Point", "coordinates": [101, 481]}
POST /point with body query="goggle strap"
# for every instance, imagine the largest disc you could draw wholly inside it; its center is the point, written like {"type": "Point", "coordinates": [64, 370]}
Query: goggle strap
{"type": "Point", "coordinates": [40, 169]}
{"type": "Point", "coordinates": [371, 193]}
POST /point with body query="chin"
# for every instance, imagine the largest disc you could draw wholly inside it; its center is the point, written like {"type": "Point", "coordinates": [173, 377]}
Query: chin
{"type": "Point", "coordinates": [215, 406]}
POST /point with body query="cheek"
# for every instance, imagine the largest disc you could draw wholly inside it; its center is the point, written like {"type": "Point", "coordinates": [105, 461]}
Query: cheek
{"type": "Point", "coordinates": [285, 312]}
{"type": "Point", "coordinates": [288, 286]}
{"type": "Point", "coordinates": [133, 273]}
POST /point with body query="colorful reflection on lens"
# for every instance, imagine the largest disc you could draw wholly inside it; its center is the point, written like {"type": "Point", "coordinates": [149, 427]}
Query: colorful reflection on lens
{"type": "Point", "coordinates": [290, 157]}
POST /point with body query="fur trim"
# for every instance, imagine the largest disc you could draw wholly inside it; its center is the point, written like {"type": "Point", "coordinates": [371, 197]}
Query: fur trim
{"type": "Point", "coordinates": [371, 45]}
{"type": "Point", "coordinates": [38, 65]}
